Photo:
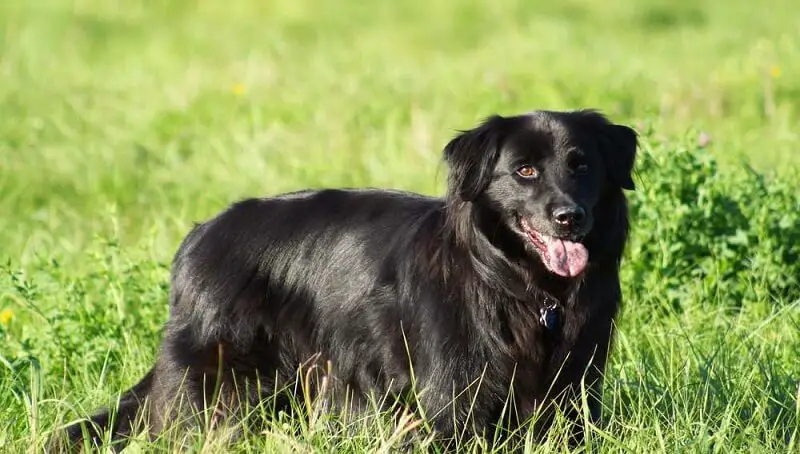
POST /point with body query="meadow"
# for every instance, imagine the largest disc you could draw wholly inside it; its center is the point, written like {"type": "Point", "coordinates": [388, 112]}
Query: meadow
{"type": "Point", "coordinates": [125, 122]}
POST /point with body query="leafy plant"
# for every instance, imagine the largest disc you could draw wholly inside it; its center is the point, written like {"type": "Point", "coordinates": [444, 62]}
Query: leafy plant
{"type": "Point", "coordinates": [703, 234]}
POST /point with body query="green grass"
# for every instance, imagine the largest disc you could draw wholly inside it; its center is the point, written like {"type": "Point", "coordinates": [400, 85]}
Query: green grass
{"type": "Point", "coordinates": [124, 122]}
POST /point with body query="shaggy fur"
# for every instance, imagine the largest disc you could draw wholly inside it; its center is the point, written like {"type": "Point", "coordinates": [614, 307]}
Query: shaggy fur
{"type": "Point", "coordinates": [435, 302]}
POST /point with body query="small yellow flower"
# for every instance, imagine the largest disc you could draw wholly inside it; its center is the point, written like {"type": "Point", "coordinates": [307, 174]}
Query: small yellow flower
{"type": "Point", "coordinates": [238, 89]}
{"type": "Point", "coordinates": [775, 71]}
{"type": "Point", "coordinates": [5, 316]}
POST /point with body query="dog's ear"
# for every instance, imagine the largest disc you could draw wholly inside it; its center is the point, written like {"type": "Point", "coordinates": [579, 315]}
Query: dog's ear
{"type": "Point", "coordinates": [618, 145]}
{"type": "Point", "coordinates": [471, 157]}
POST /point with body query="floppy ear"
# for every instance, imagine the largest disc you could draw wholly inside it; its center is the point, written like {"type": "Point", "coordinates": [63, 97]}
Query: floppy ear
{"type": "Point", "coordinates": [618, 145]}
{"type": "Point", "coordinates": [471, 157]}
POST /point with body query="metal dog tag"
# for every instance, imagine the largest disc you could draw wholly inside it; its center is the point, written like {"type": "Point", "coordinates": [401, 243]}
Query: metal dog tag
{"type": "Point", "coordinates": [548, 316]}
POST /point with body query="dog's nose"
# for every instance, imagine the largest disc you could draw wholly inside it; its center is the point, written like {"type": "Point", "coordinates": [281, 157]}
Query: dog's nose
{"type": "Point", "coordinates": [569, 215]}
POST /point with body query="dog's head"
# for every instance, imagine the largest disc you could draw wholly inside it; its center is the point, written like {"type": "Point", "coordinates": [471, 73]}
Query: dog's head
{"type": "Point", "coordinates": [544, 173]}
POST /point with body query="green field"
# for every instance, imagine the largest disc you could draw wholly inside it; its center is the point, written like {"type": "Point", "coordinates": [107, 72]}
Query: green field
{"type": "Point", "coordinates": [125, 122]}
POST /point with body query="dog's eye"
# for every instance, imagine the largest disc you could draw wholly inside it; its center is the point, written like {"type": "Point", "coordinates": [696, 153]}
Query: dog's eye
{"type": "Point", "coordinates": [527, 172]}
{"type": "Point", "coordinates": [581, 169]}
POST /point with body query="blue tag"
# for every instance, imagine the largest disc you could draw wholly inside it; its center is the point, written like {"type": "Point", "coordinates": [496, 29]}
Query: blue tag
{"type": "Point", "coordinates": [549, 318]}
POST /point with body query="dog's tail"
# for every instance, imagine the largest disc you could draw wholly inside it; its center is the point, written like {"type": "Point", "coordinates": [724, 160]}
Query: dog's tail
{"type": "Point", "coordinates": [120, 421]}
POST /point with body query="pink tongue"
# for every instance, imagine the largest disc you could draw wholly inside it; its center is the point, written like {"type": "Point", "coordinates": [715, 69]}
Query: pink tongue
{"type": "Point", "coordinates": [565, 258]}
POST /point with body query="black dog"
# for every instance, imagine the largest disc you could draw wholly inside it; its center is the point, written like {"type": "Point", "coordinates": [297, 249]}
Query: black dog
{"type": "Point", "coordinates": [485, 306]}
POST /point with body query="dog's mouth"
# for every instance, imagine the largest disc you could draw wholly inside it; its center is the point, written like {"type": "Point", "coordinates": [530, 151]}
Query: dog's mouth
{"type": "Point", "coordinates": [560, 256]}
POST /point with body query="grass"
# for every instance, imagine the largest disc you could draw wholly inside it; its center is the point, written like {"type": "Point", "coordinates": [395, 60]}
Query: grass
{"type": "Point", "coordinates": [124, 122]}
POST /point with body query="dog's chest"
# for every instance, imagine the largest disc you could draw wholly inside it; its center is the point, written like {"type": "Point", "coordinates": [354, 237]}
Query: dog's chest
{"type": "Point", "coordinates": [539, 334]}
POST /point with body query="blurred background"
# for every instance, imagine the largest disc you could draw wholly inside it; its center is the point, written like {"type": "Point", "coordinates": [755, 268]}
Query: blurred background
{"type": "Point", "coordinates": [158, 113]}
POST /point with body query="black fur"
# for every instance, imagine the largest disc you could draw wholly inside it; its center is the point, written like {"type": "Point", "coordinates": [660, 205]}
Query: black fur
{"type": "Point", "coordinates": [367, 279]}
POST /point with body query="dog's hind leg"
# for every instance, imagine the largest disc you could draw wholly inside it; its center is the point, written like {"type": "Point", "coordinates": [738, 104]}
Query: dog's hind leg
{"type": "Point", "coordinates": [120, 421]}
